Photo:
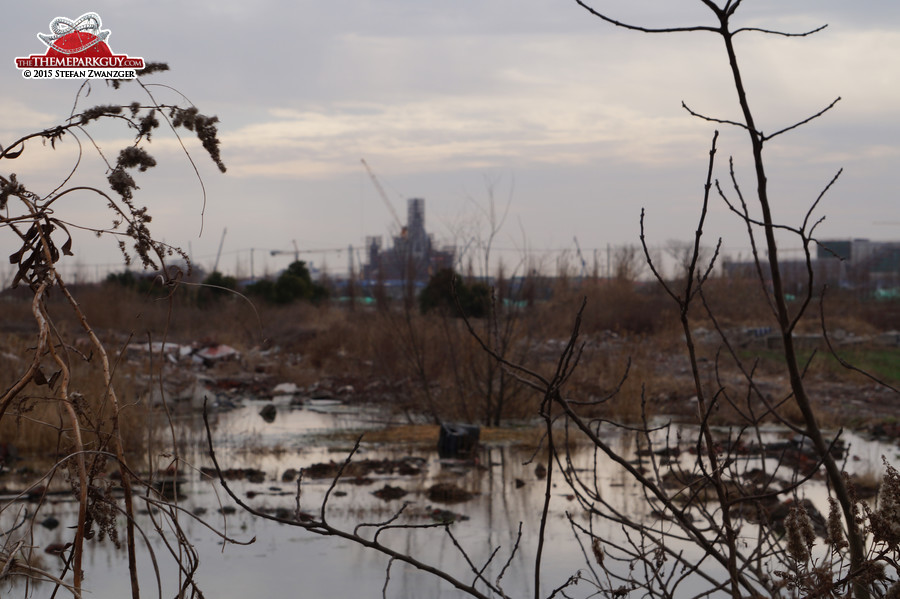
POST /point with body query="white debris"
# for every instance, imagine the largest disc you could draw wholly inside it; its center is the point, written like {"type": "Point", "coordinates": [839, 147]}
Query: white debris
{"type": "Point", "coordinates": [285, 389]}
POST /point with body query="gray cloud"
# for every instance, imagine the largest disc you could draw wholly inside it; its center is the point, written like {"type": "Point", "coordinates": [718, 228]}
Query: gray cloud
{"type": "Point", "coordinates": [584, 117]}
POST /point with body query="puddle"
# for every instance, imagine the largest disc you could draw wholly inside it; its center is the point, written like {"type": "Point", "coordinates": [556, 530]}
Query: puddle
{"type": "Point", "coordinates": [293, 425]}
{"type": "Point", "coordinates": [288, 561]}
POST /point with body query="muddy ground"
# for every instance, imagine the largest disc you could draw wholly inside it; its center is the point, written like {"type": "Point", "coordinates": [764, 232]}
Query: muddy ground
{"type": "Point", "coordinates": [223, 376]}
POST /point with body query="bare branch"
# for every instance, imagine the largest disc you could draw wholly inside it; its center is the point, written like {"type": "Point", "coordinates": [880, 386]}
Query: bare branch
{"type": "Point", "coordinates": [645, 29]}
{"type": "Point", "coordinates": [803, 122]}
{"type": "Point", "coordinates": [711, 119]}
{"type": "Point", "coordinates": [781, 33]}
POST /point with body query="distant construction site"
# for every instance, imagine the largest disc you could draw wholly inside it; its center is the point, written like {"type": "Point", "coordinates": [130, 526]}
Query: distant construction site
{"type": "Point", "coordinates": [412, 255]}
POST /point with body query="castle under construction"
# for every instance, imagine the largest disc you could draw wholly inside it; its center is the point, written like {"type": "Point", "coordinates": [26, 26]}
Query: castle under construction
{"type": "Point", "coordinates": [412, 255]}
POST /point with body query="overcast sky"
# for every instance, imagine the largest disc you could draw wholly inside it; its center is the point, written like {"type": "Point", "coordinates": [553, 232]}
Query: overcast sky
{"type": "Point", "coordinates": [577, 124]}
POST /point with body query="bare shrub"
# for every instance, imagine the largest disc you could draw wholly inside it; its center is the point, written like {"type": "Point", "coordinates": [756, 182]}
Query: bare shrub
{"type": "Point", "coordinates": [66, 399]}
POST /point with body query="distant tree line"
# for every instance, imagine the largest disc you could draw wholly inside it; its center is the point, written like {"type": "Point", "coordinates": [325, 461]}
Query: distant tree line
{"type": "Point", "coordinates": [293, 284]}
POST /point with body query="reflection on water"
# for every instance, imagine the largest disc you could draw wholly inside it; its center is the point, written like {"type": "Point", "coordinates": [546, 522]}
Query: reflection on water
{"type": "Point", "coordinates": [285, 561]}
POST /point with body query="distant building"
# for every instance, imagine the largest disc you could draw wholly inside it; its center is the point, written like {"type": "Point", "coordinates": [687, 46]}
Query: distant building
{"type": "Point", "coordinates": [412, 256]}
{"type": "Point", "coordinates": [846, 263]}
{"type": "Point", "coordinates": [863, 262]}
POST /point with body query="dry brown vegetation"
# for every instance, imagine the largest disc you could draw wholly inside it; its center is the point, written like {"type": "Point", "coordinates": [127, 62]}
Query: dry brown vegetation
{"type": "Point", "coordinates": [38, 425]}
{"type": "Point", "coordinates": [66, 393]}
{"type": "Point", "coordinates": [628, 328]}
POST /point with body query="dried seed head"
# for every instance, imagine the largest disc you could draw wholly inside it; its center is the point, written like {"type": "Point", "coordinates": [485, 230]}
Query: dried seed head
{"type": "Point", "coordinates": [885, 521]}
{"type": "Point", "coordinates": [871, 572]}
{"type": "Point", "coordinates": [598, 551]}
{"type": "Point", "coordinates": [800, 533]}
{"type": "Point", "coordinates": [659, 557]}
{"type": "Point", "coordinates": [835, 529]}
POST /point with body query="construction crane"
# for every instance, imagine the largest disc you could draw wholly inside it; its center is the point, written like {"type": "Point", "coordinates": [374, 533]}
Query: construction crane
{"type": "Point", "coordinates": [219, 253]}
{"type": "Point", "coordinates": [580, 257]}
{"type": "Point", "coordinates": [382, 193]}
{"type": "Point", "coordinates": [296, 251]}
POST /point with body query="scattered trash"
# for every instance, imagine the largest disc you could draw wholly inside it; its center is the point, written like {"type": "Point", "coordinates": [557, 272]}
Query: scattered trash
{"type": "Point", "coordinates": [457, 440]}
{"type": "Point", "coordinates": [285, 389]}
{"type": "Point", "coordinates": [215, 353]}
{"type": "Point", "coordinates": [172, 351]}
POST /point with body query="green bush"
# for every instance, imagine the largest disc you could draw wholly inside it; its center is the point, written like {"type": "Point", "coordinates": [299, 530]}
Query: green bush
{"type": "Point", "coordinates": [294, 284]}
{"type": "Point", "coordinates": [474, 298]}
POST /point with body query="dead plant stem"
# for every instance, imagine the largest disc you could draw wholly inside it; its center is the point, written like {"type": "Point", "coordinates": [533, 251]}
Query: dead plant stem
{"type": "Point", "coordinates": [115, 434]}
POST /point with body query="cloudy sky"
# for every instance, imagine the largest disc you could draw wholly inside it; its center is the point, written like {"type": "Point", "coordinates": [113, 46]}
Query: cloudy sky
{"type": "Point", "coordinates": [574, 124]}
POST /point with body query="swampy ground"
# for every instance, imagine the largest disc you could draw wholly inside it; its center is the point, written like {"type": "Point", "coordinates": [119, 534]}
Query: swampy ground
{"type": "Point", "coordinates": [293, 389]}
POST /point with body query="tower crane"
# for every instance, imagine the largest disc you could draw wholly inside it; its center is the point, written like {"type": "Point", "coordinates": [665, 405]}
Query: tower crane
{"type": "Point", "coordinates": [219, 253]}
{"type": "Point", "coordinates": [382, 193]}
{"type": "Point", "coordinates": [296, 251]}
{"type": "Point", "coordinates": [580, 257]}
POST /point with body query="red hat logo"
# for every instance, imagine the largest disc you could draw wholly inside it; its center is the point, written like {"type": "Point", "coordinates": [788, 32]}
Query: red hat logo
{"type": "Point", "coordinates": [83, 37]}
{"type": "Point", "coordinates": [78, 49]}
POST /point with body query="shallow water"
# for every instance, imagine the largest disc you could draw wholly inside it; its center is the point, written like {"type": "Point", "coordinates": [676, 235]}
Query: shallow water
{"type": "Point", "coordinates": [287, 561]}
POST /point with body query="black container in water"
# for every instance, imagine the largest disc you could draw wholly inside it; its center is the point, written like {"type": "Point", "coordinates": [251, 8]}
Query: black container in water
{"type": "Point", "coordinates": [458, 440]}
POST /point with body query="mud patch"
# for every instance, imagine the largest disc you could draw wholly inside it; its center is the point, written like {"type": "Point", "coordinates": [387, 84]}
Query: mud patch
{"type": "Point", "coordinates": [388, 493]}
{"type": "Point", "coordinates": [365, 468]}
{"type": "Point", "coordinates": [448, 493]}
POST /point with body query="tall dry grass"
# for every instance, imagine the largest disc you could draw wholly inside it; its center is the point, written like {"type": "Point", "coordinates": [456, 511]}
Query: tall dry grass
{"type": "Point", "coordinates": [37, 425]}
{"type": "Point", "coordinates": [423, 363]}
